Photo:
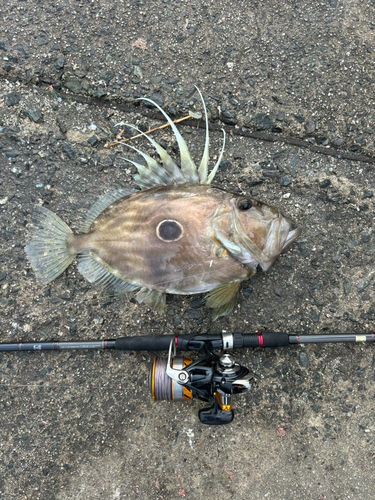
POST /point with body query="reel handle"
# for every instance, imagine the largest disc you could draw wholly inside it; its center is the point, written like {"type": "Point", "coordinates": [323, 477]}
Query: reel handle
{"type": "Point", "coordinates": [215, 415]}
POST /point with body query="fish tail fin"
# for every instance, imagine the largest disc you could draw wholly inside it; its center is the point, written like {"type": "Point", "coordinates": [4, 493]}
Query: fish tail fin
{"type": "Point", "coordinates": [50, 251]}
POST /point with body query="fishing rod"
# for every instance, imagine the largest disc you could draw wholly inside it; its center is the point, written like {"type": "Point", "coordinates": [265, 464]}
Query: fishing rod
{"type": "Point", "coordinates": [211, 378]}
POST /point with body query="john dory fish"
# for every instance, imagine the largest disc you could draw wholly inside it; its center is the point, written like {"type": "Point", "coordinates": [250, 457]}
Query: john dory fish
{"type": "Point", "coordinates": [178, 234]}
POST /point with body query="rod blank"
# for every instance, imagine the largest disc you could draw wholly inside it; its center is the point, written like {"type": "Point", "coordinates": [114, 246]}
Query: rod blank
{"type": "Point", "coordinates": [329, 339]}
{"type": "Point", "coordinates": [191, 342]}
{"type": "Point", "coordinates": [57, 346]}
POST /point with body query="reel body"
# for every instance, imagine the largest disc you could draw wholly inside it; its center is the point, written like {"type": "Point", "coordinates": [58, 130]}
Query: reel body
{"type": "Point", "coordinates": [210, 378]}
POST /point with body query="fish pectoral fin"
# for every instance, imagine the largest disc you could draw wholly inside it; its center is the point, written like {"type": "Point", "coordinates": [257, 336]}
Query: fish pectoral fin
{"type": "Point", "coordinates": [96, 273]}
{"type": "Point", "coordinates": [155, 299]}
{"type": "Point", "coordinates": [222, 299]}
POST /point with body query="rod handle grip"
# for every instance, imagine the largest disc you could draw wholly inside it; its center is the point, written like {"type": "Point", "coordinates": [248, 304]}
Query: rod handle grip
{"type": "Point", "coordinates": [144, 343]}
{"type": "Point", "coordinates": [162, 342]}
{"type": "Point", "coordinates": [261, 340]}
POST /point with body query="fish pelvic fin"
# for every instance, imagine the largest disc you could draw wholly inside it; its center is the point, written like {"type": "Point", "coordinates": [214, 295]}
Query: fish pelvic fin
{"type": "Point", "coordinates": [169, 173]}
{"type": "Point", "coordinates": [50, 251]}
{"type": "Point", "coordinates": [222, 299]}
{"type": "Point", "coordinates": [155, 299]}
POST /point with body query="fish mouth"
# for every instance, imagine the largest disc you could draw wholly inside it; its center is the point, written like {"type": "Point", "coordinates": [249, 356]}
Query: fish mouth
{"type": "Point", "coordinates": [279, 237]}
{"type": "Point", "coordinates": [292, 236]}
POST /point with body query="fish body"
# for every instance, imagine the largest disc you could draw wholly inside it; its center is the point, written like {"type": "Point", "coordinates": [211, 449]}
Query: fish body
{"type": "Point", "coordinates": [177, 235]}
{"type": "Point", "coordinates": [163, 239]}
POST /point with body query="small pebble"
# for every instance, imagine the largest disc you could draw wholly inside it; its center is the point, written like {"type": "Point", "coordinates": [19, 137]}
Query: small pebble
{"type": "Point", "coordinates": [93, 140]}
{"type": "Point", "coordinates": [35, 115]}
{"type": "Point", "coordinates": [367, 194]}
{"type": "Point", "coordinates": [280, 432]}
{"type": "Point", "coordinates": [12, 99]}
{"type": "Point", "coordinates": [194, 314]}
{"type": "Point", "coordinates": [262, 121]}
{"type": "Point", "coordinates": [303, 359]}
{"type": "Point", "coordinates": [310, 127]}
{"type": "Point", "coordinates": [325, 183]}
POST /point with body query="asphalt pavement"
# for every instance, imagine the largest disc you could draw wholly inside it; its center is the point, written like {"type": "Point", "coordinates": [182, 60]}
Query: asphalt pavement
{"type": "Point", "coordinates": [293, 86]}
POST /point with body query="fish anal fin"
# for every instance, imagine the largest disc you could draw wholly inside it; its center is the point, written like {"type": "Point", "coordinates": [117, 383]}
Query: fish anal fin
{"type": "Point", "coordinates": [120, 287]}
{"type": "Point", "coordinates": [96, 272]}
{"type": "Point", "coordinates": [154, 299]}
{"type": "Point", "coordinates": [222, 299]}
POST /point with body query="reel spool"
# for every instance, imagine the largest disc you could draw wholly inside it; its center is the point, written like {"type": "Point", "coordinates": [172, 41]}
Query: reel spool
{"type": "Point", "coordinates": [162, 387]}
{"type": "Point", "coordinates": [211, 378]}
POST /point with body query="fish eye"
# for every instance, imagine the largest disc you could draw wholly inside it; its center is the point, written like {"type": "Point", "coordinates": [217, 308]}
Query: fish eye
{"type": "Point", "coordinates": [244, 205]}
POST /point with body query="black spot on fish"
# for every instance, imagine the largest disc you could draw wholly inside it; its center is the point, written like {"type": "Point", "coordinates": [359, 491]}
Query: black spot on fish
{"type": "Point", "coordinates": [169, 230]}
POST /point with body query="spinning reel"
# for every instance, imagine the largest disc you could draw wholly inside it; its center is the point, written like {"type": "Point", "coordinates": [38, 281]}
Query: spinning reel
{"type": "Point", "coordinates": [210, 378]}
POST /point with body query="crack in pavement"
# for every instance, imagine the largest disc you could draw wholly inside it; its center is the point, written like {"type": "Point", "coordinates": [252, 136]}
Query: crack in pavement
{"type": "Point", "coordinates": [231, 130]}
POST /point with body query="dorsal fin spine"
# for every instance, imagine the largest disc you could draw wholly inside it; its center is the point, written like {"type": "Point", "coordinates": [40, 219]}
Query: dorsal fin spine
{"type": "Point", "coordinates": [214, 170]}
{"type": "Point", "coordinates": [187, 165]}
{"type": "Point", "coordinates": [203, 167]}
